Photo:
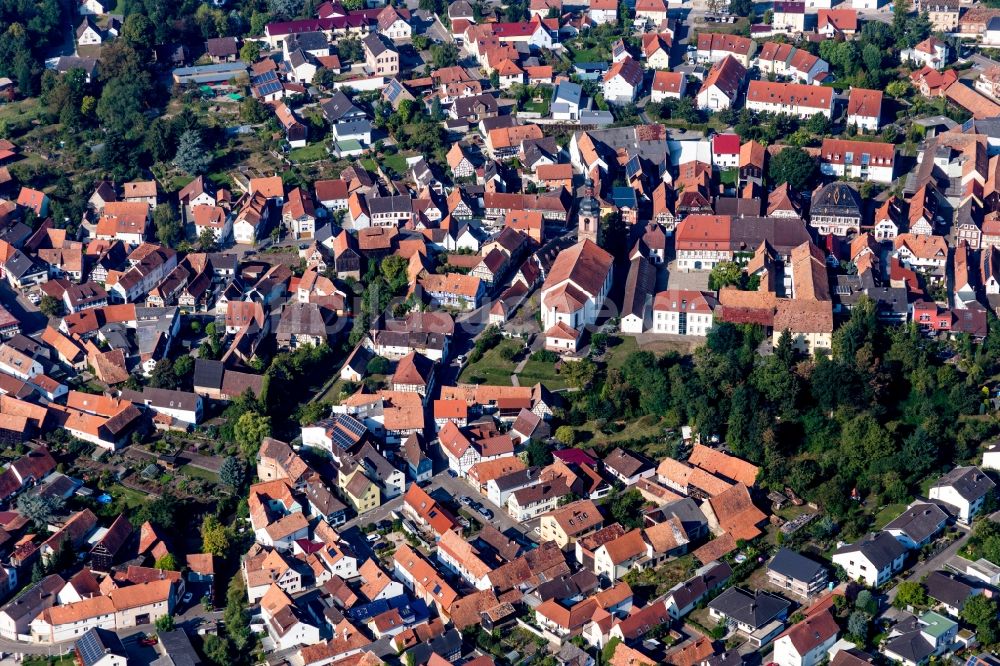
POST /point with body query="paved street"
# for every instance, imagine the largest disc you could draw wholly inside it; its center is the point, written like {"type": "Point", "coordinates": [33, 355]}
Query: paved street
{"type": "Point", "coordinates": [933, 564]}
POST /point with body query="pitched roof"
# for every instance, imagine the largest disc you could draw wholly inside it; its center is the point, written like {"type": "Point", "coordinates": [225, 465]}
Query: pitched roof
{"type": "Point", "coordinates": [723, 465]}
{"type": "Point", "coordinates": [812, 632]}
{"type": "Point", "coordinates": [790, 94]}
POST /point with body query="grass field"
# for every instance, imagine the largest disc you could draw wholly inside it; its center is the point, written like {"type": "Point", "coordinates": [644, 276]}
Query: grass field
{"type": "Point", "coordinates": [887, 514]}
{"type": "Point", "coordinates": [199, 473]}
{"type": "Point", "coordinates": [132, 498]}
{"type": "Point", "coordinates": [615, 356]}
{"type": "Point", "coordinates": [492, 368]}
{"type": "Point", "coordinates": [314, 152]}
{"type": "Point", "coordinates": [541, 371]}
{"type": "Point", "coordinates": [643, 427]}
{"type": "Point", "coordinates": [594, 54]}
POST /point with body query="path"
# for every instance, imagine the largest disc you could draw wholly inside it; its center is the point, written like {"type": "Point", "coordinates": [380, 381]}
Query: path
{"type": "Point", "coordinates": [933, 564]}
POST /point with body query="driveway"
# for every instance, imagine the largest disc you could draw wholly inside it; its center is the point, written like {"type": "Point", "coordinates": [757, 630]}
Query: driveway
{"type": "Point", "coordinates": [933, 564]}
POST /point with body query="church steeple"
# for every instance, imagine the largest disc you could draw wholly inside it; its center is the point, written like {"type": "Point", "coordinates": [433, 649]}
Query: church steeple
{"type": "Point", "coordinates": [589, 215]}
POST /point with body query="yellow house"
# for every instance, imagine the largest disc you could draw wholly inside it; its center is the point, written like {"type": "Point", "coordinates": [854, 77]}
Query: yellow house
{"type": "Point", "coordinates": [568, 523]}
{"type": "Point", "coordinates": [359, 490]}
{"type": "Point", "coordinates": [810, 324]}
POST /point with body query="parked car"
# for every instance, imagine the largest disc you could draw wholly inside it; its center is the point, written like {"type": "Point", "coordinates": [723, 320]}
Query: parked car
{"type": "Point", "coordinates": [452, 474]}
{"type": "Point", "coordinates": [485, 513]}
{"type": "Point", "coordinates": [148, 641]}
{"type": "Point", "coordinates": [382, 545]}
{"type": "Point", "coordinates": [372, 538]}
{"type": "Point", "coordinates": [465, 499]}
{"type": "Point", "coordinates": [187, 597]}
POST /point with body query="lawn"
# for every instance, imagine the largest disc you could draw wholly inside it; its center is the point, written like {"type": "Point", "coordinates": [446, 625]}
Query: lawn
{"type": "Point", "coordinates": [728, 177]}
{"type": "Point", "coordinates": [199, 473]}
{"type": "Point", "coordinates": [541, 371]}
{"type": "Point", "coordinates": [641, 428]}
{"type": "Point", "coordinates": [314, 152]}
{"type": "Point", "coordinates": [537, 107]}
{"type": "Point", "coordinates": [615, 356]}
{"type": "Point", "coordinates": [887, 514]}
{"type": "Point", "coordinates": [66, 659]}
{"type": "Point", "coordinates": [593, 54]}
{"type": "Point", "coordinates": [492, 368]}
{"type": "Point", "coordinates": [133, 499]}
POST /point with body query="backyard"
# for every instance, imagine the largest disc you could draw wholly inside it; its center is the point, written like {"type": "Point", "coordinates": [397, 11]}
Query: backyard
{"type": "Point", "coordinates": [313, 152]}
{"type": "Point", "coordinates": [495, 367]}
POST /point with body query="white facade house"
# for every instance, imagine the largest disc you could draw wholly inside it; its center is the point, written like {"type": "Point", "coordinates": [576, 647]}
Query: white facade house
{"type": "Point", "coordinates": [680, 312]}
{"type": "Point", "coordinates": [861, 160]}
{"type": "Point", "coordinates": [794, 99]}
{"type": "Point", "coordinates": [965, 489]}
{"type": "Point", "coordinates": [931, 52]}
{"type": "Point", "coordinates": [806, 643]}
{"type": "Point", "coordinates": [872, 560]}
{"type": "Point", "coordinates": [991, 456]}
{"type": "Point", "coordinates": [622, 81]}
{"type": "Point", "coordinates": [722, 85]}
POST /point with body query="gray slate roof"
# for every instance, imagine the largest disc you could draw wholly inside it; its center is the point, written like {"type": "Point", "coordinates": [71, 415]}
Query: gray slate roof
{"type": "Point", "coordinates": [789, 563]}
{"type": "Point", "coordinates": [969, 482]}
{"type": "Point", "coordinates": [755, 609]}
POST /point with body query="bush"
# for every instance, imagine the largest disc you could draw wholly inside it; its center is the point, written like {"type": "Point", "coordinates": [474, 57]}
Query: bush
{"type": "Point", "coordinates": [545, 356]}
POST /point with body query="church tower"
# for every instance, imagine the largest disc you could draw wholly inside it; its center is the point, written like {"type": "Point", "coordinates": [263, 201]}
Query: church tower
{"type": "Point", "coordinates": [589, 215]}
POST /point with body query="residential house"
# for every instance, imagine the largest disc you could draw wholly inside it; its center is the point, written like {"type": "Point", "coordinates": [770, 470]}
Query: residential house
{"type": "Point", "coordinates": [873, 560]}
{"type": "Point", "coordinates": [796, 574]}
{"type": "Point", "coordinates": [807, 642]}
{"type": "Point", "coordinates": [749, 612]}
{"type": "Point", "coordinates": [795, 99]}
{"type": "Point", "coordinates": [918, 524]}
{"type": "Point", "coordinates": [965, 489]}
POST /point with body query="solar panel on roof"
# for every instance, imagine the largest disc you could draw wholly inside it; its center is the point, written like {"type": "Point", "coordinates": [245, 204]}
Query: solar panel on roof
{"type": "Point", "coordinates": [632, 166]}
{"type": "Point", "coordinates": [269, 88]}
{"type": "Point", "coordinates": [393, 90]}
{"type": "Point", "coordinates": [264, 78]}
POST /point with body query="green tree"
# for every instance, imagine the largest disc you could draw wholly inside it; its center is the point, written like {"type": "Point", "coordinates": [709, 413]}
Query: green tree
{"type": "Point", "coordinates": [39, 509]}
{"type": "Point", "coordinates": [866, 602]}
{"type": "Point", "coordinates": [169, 229]}
{"type": "Point", "coordinates": [350, 50]}
{"type": "Point", "coordinates": [236, 616]}
{"type": "Point", "coordinates": [218, 650]}
{"type": "Point", "coordinates": [444, 55]}
{"type": "Point", "coordinates": [167, 562]}
{"type": "Point", "coordinates": [724, 274]}
{"type": "Point", "coordinates": [857, 626]}
{"type": "Point", "coordinates": [253, 112]}
{"type": "Point", "coordinates": [539, 454]}
{"type": "Point", "coordinates": [250, 430]}
{"type": "Point", "coordinates": [566, 434]}
{"type": "Point", "coordinates": [233, 472]}
{"type": "Point", "coordinates": [981, 612]}
{"type": "Point", "coordinates": [626, 508]}
{"type": "Point", "coordinates": [165, 623]}
{"type": "Point", "coordinates": [910, 593]}
{"type": "Point", "coordinates": [184, 366]}
{"type": "Point", "coordinates": [137, 32]}
{"type": "Point", "coordinates": [163, 375]}
{"type": "Point", "coordinates": [191, 155]}
{"type": "Point", "coordinates": [214, 537]}
{"type": "Point", "coordinates": [50, 306]}
{"type": "Point", "coordinates": [793, 166]}
{"type": "Point", "coordinates": [608, 652]}
{"type": "Point", "coordinates": [287, 9]}
{"type": "Point", "coordinates": [250, 51]}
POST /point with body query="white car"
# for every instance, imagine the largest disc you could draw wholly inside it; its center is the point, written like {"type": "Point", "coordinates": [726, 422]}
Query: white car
{"type": "Point", "coordinates": [372, 538]}
{"type": "Point", "coordinates": [34, 297]}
